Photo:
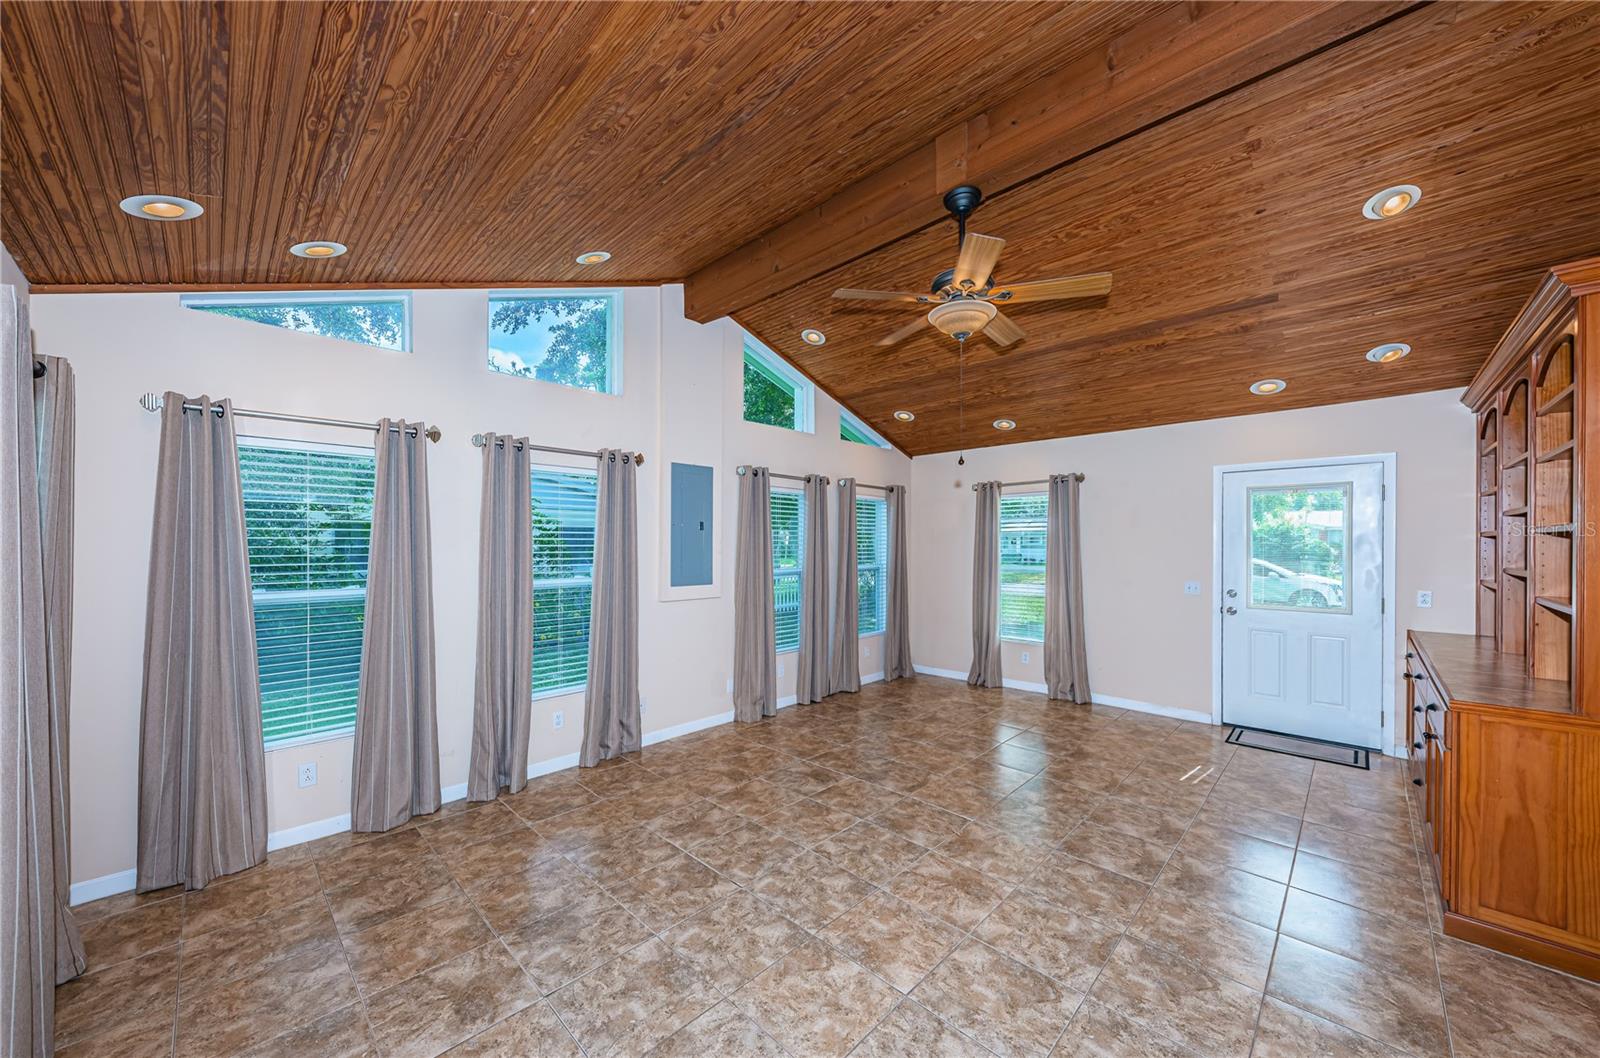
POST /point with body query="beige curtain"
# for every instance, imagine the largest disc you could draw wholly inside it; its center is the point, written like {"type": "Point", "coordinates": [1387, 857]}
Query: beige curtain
{"type": "Point", "coordinates": [755, 681]}
{"type": "Point", "coordinates": [202, 771]}
{"type": "Point", "coordinates": [39, 945]}
{"type": "Point", "coordinates": [1066, 661]}
{"type": "Point", "coordinates": [811, 664]}
{"type": "Point", "coordinates": [844, 672]}
{"type": "Point", "coordinates": [503, 690]}
{"type": "Point", "coordinates": [897, 610]}
{"type": "Point", "coordinates": [55, 427]}
{"type": "Point", "coordinates": [611, 721]}
{"type": "Point", "coordinates": [396, 770]}
{"type": "Point", "coordinates": [985, 670]}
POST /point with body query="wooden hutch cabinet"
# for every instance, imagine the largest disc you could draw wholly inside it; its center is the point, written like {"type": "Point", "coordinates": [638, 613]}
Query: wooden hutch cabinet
{"type": "Point", "coordinates": [1504, 726]}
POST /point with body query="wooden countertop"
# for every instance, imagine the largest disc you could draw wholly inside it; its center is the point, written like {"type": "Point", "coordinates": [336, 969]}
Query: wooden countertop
{"type": "Point", "coordinates": [1471, 672]}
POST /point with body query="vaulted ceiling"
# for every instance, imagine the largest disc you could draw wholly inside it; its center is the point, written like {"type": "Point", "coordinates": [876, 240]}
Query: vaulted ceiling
{"type": "Point", "coordinates": [1213, 157]}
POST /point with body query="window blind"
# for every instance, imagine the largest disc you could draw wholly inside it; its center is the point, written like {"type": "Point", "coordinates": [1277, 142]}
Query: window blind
{"type": "Point", "coordinates": [308, 524]}
{"type": "Point", "coordinates": [872, 553]}
{"type": "Point", "coordinates": [563, 576]}
{"type": "Point", "coordinates": [1022, 550]}
{"type": "Point", "coordinates": [788, 561]}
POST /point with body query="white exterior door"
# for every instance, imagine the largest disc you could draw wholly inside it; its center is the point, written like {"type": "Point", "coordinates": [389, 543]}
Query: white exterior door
{"type": "Point", "coordinates": [1302, 601]}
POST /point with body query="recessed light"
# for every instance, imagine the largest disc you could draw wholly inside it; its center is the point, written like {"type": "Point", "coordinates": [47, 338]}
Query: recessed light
{"type": "Point", "coordinates": [1392, 201]}
{"type": "Point", "coordinates": [318, 250]}
{"type": "Point", "coordinates": [904, 416]}
{"type": "Point", "coordinates": [812, 336]}
{"type": "Point", "coordinates": [589, 257]}
{"type": "Point", "coordinates": [161, 207]}
{"type": "Point", "coordinates": [1005, 424]}
{"type": "Point", "coordinates": [1268, 386]}
{"type": "Point", "coordinates": [1388, 352]}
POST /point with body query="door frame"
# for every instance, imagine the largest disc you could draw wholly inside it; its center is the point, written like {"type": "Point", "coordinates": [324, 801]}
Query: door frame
{"type": "Point", "coordinates": [1390, 603]}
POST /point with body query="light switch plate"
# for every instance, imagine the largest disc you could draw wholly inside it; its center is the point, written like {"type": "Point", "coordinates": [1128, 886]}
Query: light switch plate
{"type": "Point", "coordinates": [559, 719]}
{"type": "Point", "coordinates": [1424, 600]}
{"type": "Point", "coordinates": [308, 774]}
{"type": "Point", "coordinates": [1191, 587]}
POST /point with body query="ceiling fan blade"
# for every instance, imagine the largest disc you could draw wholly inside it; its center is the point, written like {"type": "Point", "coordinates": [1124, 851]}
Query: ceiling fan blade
{"type": "Point", "coordinates": [1002, 330]}
{"type": "Point", "coordinates": [896, 337]}
{"type": "Point", "coordinates": [878, 295]}
{"type": "Point", "coordinates": [979, 255]}
{"type": "Point", "coordinates": [1092, 285]}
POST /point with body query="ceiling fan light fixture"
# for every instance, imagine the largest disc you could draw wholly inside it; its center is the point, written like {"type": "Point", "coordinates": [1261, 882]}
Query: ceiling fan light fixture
{"type": "Point", "coordinates": [812, 336]}
{"type": "Point", "coordinates": [1268, 386]}
{"type": "Point", "coordinates": [319, 249]}
{"type": "Point", "coordinates": [1388, 352]}
{"type": "Point", "coordinates": [161, 207]}
{"type": "Point", "coordinates": [1391, 202]}
{"type": "Point", "coordinates": [962, 318]}
{"type": "Point", "coordinates": [593, 257]}
{"type": "Point", "coordinates": [1005, 424]}
{"type": "Point", "coordinates": [905, 416]}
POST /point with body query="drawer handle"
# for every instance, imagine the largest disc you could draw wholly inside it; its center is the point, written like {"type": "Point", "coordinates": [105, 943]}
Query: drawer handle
{"type": "Point", "coordinates": [1432, 708]}
{"type": "Point", "coordinates": [1416, 745]}
{"type": "Point", "coordinates": [1416, 782]}
{"type": "Point", "coordinates": [1416, 709]}
{"type": "Point", "coordinates": [1407, 676]}
{"type": "Point", "coordinates": [1409, 655]}
{"type": "Point", "coordinates": [1429, 735]}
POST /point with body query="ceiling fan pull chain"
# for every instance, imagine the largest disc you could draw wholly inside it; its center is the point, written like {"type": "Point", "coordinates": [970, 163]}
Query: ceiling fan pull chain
{"type": "Point", "coordinates": [961, 398]}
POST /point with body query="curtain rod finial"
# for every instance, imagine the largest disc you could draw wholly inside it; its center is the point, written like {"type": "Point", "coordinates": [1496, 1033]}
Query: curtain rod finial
{"type": "Point", "coordinates": [433, 434]}
{"type": "Point", "coordinates": [152, 402]}
{"type": "Point", "coordinates": [638, 459]}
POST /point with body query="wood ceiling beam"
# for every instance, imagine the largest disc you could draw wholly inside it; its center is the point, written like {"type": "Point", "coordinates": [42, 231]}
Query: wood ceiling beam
{"type": "Point", "coordinates": [1179, 58]}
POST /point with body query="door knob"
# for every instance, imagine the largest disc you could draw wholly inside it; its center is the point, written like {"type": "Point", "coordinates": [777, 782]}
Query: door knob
{"type": "Point", "coordinates": [1229, 610]}
{"type": "Point", "coordinates": [1232, 594]}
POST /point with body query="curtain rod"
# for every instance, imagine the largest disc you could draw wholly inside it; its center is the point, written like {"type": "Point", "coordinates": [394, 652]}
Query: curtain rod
{"type": "Point", "coordinates": [1017, 484]}
{"type": "Point", "coordinates": [802, 477]}
{"type": "Point", "coordinates": [153, 402]}
{"type": "Point", "coordinates": [479, 440]}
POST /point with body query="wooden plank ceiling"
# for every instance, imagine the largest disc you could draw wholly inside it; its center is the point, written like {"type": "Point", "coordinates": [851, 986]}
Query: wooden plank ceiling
{"type": "Point", "coordinates": [1214, 158]}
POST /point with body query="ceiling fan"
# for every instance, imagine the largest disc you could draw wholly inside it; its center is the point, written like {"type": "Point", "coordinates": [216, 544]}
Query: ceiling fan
{"type": "Point", "coordinates": [964, 297]}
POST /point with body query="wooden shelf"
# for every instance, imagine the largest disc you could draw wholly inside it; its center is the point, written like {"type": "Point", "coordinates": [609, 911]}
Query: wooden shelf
{"type": "Point", "coordinates": [1520, 574]}
{"type": "Point", "coordinates": [1557, 452]}
{"type": "Point", "coordinates": [1561, 529]}
{"type": "Point", "coordinates": [1515, 511]}
{"type": "Point", "coordinates": [1562, 606]}
{"type": "Point", "coordinates": [1491, 585]}
{"type": "Point", "coordinates": [1557, 400]}
{"type": "Point", "coordinates": [1517, 462]}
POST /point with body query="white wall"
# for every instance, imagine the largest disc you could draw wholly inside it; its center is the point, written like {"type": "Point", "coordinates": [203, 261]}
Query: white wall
{"type": "Point", "coordinates": [1147, 528]}
{"type": "Point", "coordinates": [680, 402]}
{"type": "Point", "coordinates": [10, 273]}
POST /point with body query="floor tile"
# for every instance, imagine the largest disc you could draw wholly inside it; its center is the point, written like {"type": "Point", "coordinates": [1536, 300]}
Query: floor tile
{"type": "Point", "coordinates": [949, 890]}
{"type": "Point", "coordinates": [722, 1030]}
{"type": "Point", "coordinates": [892, 938]}
{"type": "Point", "coordinates": [1098, 1031]}
{"type": "Point", "coordinates": [510, 853]}
{"type": "Point", "coordinates": [994, 852]}
{"type": "Point", "coordinates": [223, 955]}
{"type": "Point", "coordinates": [910, 1031]}
{"type": "Point", "coordinates": [1083, 888]}
{"type": "Point", "coordinates": [857, 797]}
{"type": "Point", "coordinates": [746, 852]}
{"type": "Point", "coordinates": [621, 855]}
{"type": "Point", "coordinates": [574, 939]}
{"type": "Point", "coordinates": [869, 851]}
{"type": "Point", "coordinates": [1361, 935]}
{"type": "Point", "coordinates": [1213, 939]}
{"type": "Point", "coordinates": [452, 1002]}
{"type": "Point", "coordinates": [735, 939]}
{"type": "Point", "coordinates": [532, 1032]}
{"type": "Point", "coordinates": [1499, 1006]}
{"type": "Point", "coordinates": [815, 1002]}
{"type": "Point", "coordinates": [807, 822]}
{"type": "Point", "coordinates": [1128, 856]}
{"type": "Point", "coordinates": [407, 944]}
{"type": "Point", "coordinates": [102, 1000]}
{"type": "Point", "coordinates": [916, 820]}
{"type": "Point", "coordinates": [1247, 853]}
{"type": "Point", "coordinates": [534, 803]}
{"type": "Point", "coordinates": [1173, 997]}
{"type": "Point", "coordinates": [1247, 896]}
{"type": "Point", "coordinates": [368, 901]}
{"type": "Point", "coordinates": [1287, 1032]}
{"type": "Point", "coordinates": [755, 798]}
{"type": "Point", "coordinates": [1391, 1007]}
{"type": "Point", "coordinates": [694, 823]}
{"type": "Point", "coordinates": [1003, 1005]}
{"type": "Point", "coordinates": [110, 939]}
{"type": "Point", "coordinates": [1396, 898]}
{"type": "Point", "coordinates": [227, 1019]}
{"type": "Point", "coordinates": [470, 827]}
{"type": "Point", "coordinates": [666, 895]}
{"type": "Point", "coordinates": [810, 889]}
{"type": "Point", "coordinates": [341, 1034]}
{"type": "Point", "coordinates": [379, 854]}
{"type": "Point", "coordinates": [1068, 947]}
{"type": "Point", "coordinates": [635, 1001]}
{"type": "Point", "coordinates": [234, 900]}
{"type": "Point", "coordinates": [1280, 827]}
{"type": "Point", "coordinates": [1140, 821]}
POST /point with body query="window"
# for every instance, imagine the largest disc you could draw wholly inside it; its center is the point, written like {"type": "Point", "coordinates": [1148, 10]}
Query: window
{"type": "Point", "coordinates": [788, 561]}
{"type": "Point", "coordinates": [308, 523]}
{"type": "Point", "coordinates": [1298, 557]}
{"type": "Point", "coordinates": [775, 393]}
{"type": "Point", "coordinates": [872, 566]}
{"type": "Point", "coordinates": [563, 577]}
{"type": "Point", "coordinates": [373, 318]}
{"type": "Point", "coordinates": [570, 339]}
{"type": "Point", "coordinates": [1022, 544]}
{"type": "Point", "coordinates": [853, 429]}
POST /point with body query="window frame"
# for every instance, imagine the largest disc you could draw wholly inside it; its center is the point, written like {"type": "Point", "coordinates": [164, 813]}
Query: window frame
{"type": "Point", "coordinates": [805, 394]}
{"type": "Point", "coordinates": [293, 596]}
{"type": "Point", "coordinates": [797, 573]}
{"type": "Point", "coordinates": [870, 437]}
{"type": "Point", "coordinates": [201, 302]}
{"type": "Point", "coordinates": [614, 350]}
{"type": "Point", "coordinates": [881, 611]}
{"type": "Point", "coordinates": [1000, 571]}
{"type": "Point", "coordinates": [557, 582]}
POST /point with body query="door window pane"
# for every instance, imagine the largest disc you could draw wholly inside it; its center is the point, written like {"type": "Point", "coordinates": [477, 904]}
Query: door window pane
{"type": "Point", "coordinates": [1299, 547]}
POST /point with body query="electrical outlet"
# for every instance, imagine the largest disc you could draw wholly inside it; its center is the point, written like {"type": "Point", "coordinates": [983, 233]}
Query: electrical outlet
{"type": "Point", "coordinates": [559, 719]}
{"type": "Point", "coordinates": [1026, 657]}
{"type": "Point", "coordinates": [1424, 600]}
{"type": "Point", "coordinates": [1191, 587]}
{"type": "Point", "coordinates": [780, 668]}
{"type": "Point", "coordinates": [308, 774]}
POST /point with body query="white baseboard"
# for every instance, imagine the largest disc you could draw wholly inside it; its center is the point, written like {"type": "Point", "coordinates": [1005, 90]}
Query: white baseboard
{"type": "Point", "coordinates": [714, 720]}
{"type": "Point", "coordinates": [1023, 685]}
{"type": "Point", "coordinates": [787, 700]}
{"type": "Point", "coordinates": [551, 765]}
{"type": "Point", "coordinates": [872, 677]}
{"type": "Point", "coordinates": [321, 828]}
{"type": "Point", "coordinates": [948, 674]}
{"type": "Point", "coordinates": [1132, 704]}
{"type": "Point", "coordinates": [105, 885]}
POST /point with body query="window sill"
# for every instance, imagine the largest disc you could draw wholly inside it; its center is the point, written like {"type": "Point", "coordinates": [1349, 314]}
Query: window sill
{"type": "Point", "coordinates": [1014, 639]}
{"type": "Point", "coordinates": [561, 692]}
{"type": "Point", "coordinates": [307, 740]}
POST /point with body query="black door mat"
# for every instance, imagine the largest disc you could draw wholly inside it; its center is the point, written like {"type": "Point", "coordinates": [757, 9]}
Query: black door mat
{"type": "Point", "coordinates": [1296, 746]}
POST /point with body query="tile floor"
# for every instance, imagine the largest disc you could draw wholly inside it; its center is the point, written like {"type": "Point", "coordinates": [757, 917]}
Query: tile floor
{"type": "Point", "coordinates": [920, 869]}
